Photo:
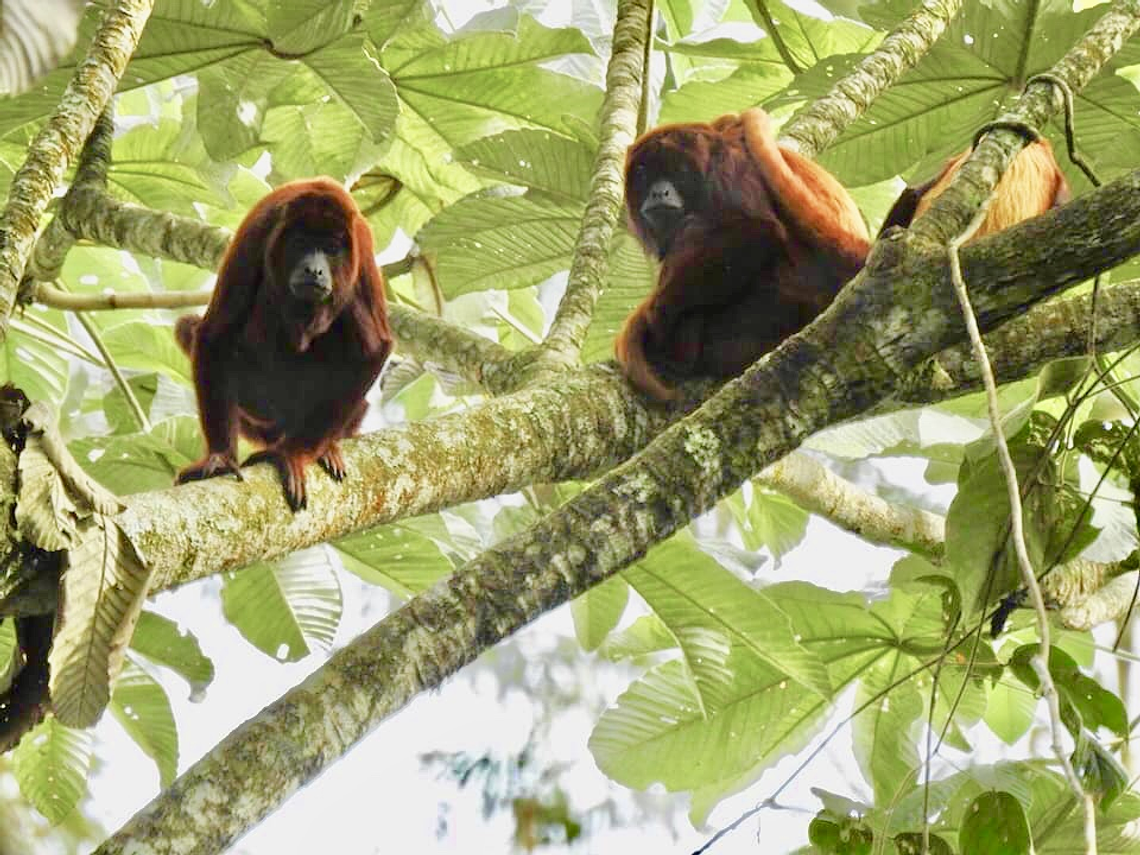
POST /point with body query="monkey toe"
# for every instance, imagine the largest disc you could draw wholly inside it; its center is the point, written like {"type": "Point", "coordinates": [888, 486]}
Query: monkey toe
{"type": "Point", "coordinates": [333, 463]}
{"type": "Point", "coordinates": [208, 467]}
{"type": "Point", "coordinates": [291, 471]}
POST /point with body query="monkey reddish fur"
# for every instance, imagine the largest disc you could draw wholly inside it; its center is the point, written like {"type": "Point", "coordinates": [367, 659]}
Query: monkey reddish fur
{"type": "Point", "coordinates": [1031, 185]}
{"type": "Point", "coordinates": [754, 241]}
{"type": "Point", "coordinates": [295, 334]}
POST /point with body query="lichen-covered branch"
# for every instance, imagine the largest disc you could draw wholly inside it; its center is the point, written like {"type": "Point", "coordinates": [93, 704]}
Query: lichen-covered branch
{"type": "Point", "coordinates": [851, 357]}
{"type": "Point", "coordinates": [815, 128]}
{"type": "Point", "coordinates": [586, 425]}
{"type": "Point", "coordinates": [1027, 343]}
{"type": "Point", "coordinates": [815, 488]}
{"type": "Point", "coordinates": [57, 143]}
{"type": "Point", "coordinates": [603, 208]}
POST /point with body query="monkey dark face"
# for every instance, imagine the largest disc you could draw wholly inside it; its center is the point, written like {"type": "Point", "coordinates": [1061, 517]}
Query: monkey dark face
{"type": "Point", "coordinates": [662, 211]}
{"type": "Point", "coordinates": [664, 191]}
{"type": "Point", "coordinates": [307, 262]}
{"type": "Point", "coordinates": [310, 277]}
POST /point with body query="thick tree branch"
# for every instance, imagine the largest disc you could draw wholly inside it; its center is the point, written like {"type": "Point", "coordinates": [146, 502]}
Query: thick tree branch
{"type": "Point", "coordinates": [60, 139]}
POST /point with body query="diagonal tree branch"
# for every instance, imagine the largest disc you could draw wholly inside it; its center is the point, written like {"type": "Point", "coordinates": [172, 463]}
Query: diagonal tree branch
{"type": "Point", "coordinates": [61, 138]}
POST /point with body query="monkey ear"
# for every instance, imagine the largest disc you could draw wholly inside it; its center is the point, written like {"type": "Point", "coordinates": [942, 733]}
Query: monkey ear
{"type": "Point", "coordinates": [369, 305]}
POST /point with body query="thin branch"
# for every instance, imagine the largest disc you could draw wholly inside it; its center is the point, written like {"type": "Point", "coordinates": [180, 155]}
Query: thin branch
{"type": "Point", "coordinates": [59, 140]}
{"type": "Point", "coordinates": [773, 32]}
{"type": "Point", "coordinates": [133, 405]}
{"type": "Point", "coordinates": [816, 488]}
{"type": "Point", "coordinates": [590, 262]}
{"type": "Point", "coordinates": [56, 298]}
{"type": "Point", "coordinates": [1039, 662]}
{"type": "Point", "coordinates": [816, 127]}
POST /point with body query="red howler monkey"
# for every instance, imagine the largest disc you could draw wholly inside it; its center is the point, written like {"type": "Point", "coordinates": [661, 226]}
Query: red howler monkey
{"type": "Point", "coordinates": [1031, 185]}
{"type": "Point", "coordinates": [294, 335]}
{"type": "Point", "coordinates": [754, 241]}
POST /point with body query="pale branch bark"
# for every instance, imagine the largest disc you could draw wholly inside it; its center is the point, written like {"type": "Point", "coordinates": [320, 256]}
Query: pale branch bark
{"type": "Point", "coordinates": [1084, 608]}
{"type": "Point", "coordinates": [60, 139]}
{"type": "Point", "coordinates": [1073, 587]}
{"type": "Point", "coordinates": [618, 118]}
{"type": "Point", "coordinates": [815, 488]}
{"type": "Point", "coordinates": [57, 298]}
{"type": "Point", "coordinates": [852, 356]}
{"type": "Point", "coordinates": [815, 128]}
{"type": "Point", "coordinates": [953, 210]}
{"type": "Point", "coordinates": [588, 424]}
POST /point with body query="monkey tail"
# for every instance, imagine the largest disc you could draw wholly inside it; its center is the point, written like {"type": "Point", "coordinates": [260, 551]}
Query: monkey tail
{"type": "Point", "coordinates": [630, 351]}
{"type": "Point", "coordinates": [186, 331]}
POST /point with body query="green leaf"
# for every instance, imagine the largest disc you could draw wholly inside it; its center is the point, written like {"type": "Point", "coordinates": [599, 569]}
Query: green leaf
{"type": "Point", "coordinates": [711, 611]}
{"type": "Point", "coordinates": [885, 735]}
{"type": "Point", "coordinates": [702, 101]}
{"type": "Point", "coordinates": [232, 99]}
{"type": "Point", "coordinates": [300, 26]}
{"type": "Point", "coordinates": [147, 347]}
{"type": "Point", "coordinates": [776, 522]}
{"type": "Point", "coordinates": [351, 70]}
{"type": "Point", "coordinates": [1011, 710]}
{"type": "Point", "coordinates": [141, 706]}
{"type": "Point", "coordinates": [657, 732]}
{"type": "Point", "coordinates": [103, 588]}
{"type": "Point", "coordinates": [181, 36]}
{"type": "Point", "coordinates": [1101, 774]}
{"type": "Point", "coordinates": [631, 278]}
{"type": "Point", "coordinates": [45, 513]}
{"type": "Point", "coordinates": [134, 463]}
{"type": "Point", "coordinates": [996, 825]}
{"type": "Point", "coordinates": [162, 166]}
{"type": "Point", "coordinates": [1097, 706]}
{"type": "Point", "coordinates": [51, 764]}
{"type": "Point", "coordinates": [163, 642]}
{"type": "Point", "coordinates": [287, 609]}
{"type": "Point", "coordinates": [395, 556]}
{"type": "Point", "coordinates": [479, 82]}
{"type": "Point", "coordinates": [501, 243]}
{"type": "Point", "coordinates": [556, 166]}
{"type": "Point", "coordinates": [323, 137]}
{"type": "Point", "coordinates": [646, 635]}
{"type": "Point", "coordinates": [598, 611]}
{"type": "Point", "coordinates": [31, 358]}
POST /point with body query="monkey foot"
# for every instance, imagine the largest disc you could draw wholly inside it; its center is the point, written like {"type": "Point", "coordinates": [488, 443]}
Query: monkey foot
{"type": "Point", "coordinates": [332, 462]}
{"type": "Point", "coordinates": [212, 464]}
{"type": "Point", "coordinates": [292, 472]}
